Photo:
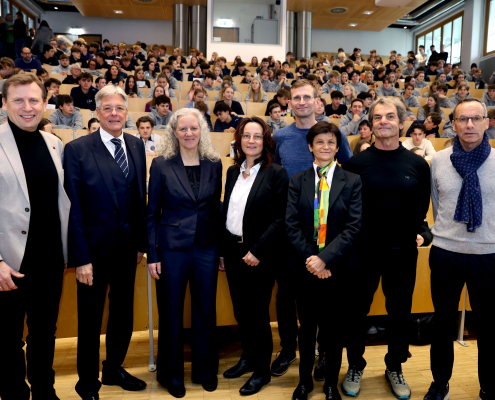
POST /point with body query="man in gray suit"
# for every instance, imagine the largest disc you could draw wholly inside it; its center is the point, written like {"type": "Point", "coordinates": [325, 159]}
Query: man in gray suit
{"type": "Point", "coordinates": [34, 214]}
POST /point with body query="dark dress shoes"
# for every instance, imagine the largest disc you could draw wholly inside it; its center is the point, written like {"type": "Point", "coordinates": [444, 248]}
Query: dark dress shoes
{"type": "Point", "coordinates": [320, 369]}
{"type": "Point", "coordinates": [331, 393]}
{"type": "Point", "coordinates": [241, 368]}
{"type": "Point", "coordinates": [210, 385]}
{"type": "Point", "coordinates": [281, 364]}
{"type": "Point", "coordinates": [302, 391]}
{"type": "Point", "coordinates": [177, 391]}
{"type": "Point", "coordinates": [255, 383]}
{"type": "Point", "coordinates": [120, 377]}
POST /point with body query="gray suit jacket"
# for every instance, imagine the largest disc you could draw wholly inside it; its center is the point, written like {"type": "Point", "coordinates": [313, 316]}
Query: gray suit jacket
{"type": "Point", "coordinates": [14, 198]}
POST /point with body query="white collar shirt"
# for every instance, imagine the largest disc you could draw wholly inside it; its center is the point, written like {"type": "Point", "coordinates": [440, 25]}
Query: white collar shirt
{"type": "Point", "coordinates": [238, 199]}
{"type": "Point", "coordinates": [106, 138]}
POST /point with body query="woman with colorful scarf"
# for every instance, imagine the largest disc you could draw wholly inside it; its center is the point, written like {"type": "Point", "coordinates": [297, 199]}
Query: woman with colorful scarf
{"type": "Point", "coordinates": [323, 223]}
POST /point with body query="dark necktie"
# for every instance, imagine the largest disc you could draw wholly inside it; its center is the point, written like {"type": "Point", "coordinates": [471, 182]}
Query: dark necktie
{"type": "Point", "coordinates": [120, 157]}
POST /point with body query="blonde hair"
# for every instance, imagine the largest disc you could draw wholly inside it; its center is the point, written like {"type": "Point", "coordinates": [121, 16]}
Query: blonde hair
{"type": "Point", "coordinates": [252, 93]}
{"type": "Point", "coordinates": [225, 87]}
{"type": "Point", "coordinates": [353, 92]}
{"type": "Point", "coordinates": [170, 144]}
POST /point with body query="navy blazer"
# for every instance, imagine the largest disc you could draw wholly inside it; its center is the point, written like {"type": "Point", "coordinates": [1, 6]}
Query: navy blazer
{"type": "Point", "coordinates": [343, 222]}
{"type": "Point", "coordinates": [263, 223]}
{"type": "Point", "coordinates": [175, 217]}
{"type": "Point", "coordinates": [94, 214]}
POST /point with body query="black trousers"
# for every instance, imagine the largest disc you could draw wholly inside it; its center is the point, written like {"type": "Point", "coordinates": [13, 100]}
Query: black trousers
{"type": "Point", "coordinates": [119, 273]}
{"type": "Point", "coordinates": [199, 267]}
{"type": "Point", "coordinates": [397, 269]}
{"type": "Point", "coordinates": [286, 304]}
{"type": "Point", "coordinates": [449, 272]}
{"type": "Point", "coordinates": [251, 292]}
{"type": "Point", "coordinates": [38, 297]}
{"type": "Point", "coordinates": [321, 306]}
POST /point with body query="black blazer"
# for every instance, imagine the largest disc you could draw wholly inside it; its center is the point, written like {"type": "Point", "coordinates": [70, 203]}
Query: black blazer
{"type": "Point", "coordinates": [263, 224]}
{"type": "Point", "coordinates": [343, 223]}
{"type": "Point", "coordinates": [175, 217]}
{"type": "Point", "coordinates": [94, 214]}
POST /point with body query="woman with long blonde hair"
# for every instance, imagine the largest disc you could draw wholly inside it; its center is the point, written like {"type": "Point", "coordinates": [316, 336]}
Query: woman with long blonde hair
{"type": "Point", "coordinates": [256, 94]}
{"type": "Point", "coordinates": [183, 220]}
{"type": "Point", "coordinates": [349, 94]}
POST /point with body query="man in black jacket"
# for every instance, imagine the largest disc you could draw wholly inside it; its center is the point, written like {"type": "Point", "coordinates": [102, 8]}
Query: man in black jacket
{"type": "Point", "coordinates": [391, 176]}
{"type": "Point", "coordinates": [20, 33]}
{"type": "Point", "coordinates": [48, 56]}
{"type": "Point", "coordinates": [105, 179]}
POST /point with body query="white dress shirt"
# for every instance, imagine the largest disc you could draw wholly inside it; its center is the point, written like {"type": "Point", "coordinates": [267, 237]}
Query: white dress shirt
{"type": "Point", "coordinates": [329, 176]}
{"type": "Point", "coordinates": [106, 139]}
{"type": "Point", "coordinates": [238, 199]}
{"type": "Point", "coordinates": [152, 144]}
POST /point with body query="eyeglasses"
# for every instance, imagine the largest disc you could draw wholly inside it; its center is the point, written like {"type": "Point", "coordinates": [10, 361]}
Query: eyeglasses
{"type": "Point", "coordinates": [109, 110]}
{"type": "Point", "coordinates": [305, 99]}
{"type": "Point", "coordinates": [257, 138]}
{"type": "Point", "coordinates": [477, 119]}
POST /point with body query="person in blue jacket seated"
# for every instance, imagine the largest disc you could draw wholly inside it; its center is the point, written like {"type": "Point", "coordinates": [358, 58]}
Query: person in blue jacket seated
{"type": "Point", "coordinates": [26, 61]}
{"type": "Point", "coordinates": [226, 120]}
{"type": "Point", "coordinates": [431, 123]}
{"type": "Point", "coordinates": [240, 69]}
{"type": "Point", "coordinates": [222, 61]}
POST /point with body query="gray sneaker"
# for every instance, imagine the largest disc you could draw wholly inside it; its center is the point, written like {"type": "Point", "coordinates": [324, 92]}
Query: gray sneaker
{"type": "Point", "coordinates": [351, 386]}
{"type": "Point", "coordinates": [399, 386]}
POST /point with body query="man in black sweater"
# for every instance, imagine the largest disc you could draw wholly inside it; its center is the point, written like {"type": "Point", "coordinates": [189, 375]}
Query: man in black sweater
{"type": "Point", "coordinates": [392, 177]}
{"type": "Point", "coordinates": [48, 56]}
{"type": "Point", "coordinates": [84, 94]}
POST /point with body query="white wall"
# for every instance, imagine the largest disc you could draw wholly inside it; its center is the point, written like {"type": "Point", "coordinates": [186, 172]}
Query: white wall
{"type": "Point", "coordinates": [242, 16]}
{"type": "Point", "coordinates": [245, 50]}
{"type": "Point", "coordinates": [116, 30]}
{"type": "Point", "coordinates": [389, 39]}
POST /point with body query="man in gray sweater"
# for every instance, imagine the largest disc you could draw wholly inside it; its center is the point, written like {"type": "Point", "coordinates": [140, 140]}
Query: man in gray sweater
{"type": "Point", "coordinates": [349, 123]}
{"type": "Point", "coordinates": [463, 251]}
{"type": "Point", "coordinates": [67, 116]}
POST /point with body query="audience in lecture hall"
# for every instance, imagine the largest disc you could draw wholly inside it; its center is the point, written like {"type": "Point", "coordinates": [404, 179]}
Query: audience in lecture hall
{"type": "Point", "coordinates": [346, 108]}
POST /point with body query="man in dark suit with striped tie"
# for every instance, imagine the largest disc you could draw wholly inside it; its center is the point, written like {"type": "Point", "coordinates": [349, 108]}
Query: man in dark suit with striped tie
{"type": "Point", "coordinates": [106, 183]}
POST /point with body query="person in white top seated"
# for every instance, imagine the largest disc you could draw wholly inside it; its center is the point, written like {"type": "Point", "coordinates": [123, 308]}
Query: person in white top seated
{"type": "Point", "coordinates": [152, 141]}
{"type": "Point", "coordinates": [418, 139]}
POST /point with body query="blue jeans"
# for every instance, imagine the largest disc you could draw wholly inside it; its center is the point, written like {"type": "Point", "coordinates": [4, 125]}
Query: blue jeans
{"type": "Point", "coordinates": [19, 44]}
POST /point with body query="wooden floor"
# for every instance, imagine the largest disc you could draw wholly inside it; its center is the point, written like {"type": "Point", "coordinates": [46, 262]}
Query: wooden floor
{"type": "Point", "coordinates": [464, 384]}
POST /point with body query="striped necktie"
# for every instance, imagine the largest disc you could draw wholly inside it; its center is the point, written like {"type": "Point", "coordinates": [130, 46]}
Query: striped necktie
{"type": "Point", "coordinates": [120, 157]}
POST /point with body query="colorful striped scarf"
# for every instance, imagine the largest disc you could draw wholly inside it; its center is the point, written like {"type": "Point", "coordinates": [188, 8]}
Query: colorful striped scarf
{"type": "Point", "coordinates": [322, 192]}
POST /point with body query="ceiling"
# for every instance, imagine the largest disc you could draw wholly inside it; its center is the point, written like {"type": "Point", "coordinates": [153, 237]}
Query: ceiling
{"type": "Point", "coordinates": [155, 9]}
{"type": "Point", "coordinates": [381, 18]}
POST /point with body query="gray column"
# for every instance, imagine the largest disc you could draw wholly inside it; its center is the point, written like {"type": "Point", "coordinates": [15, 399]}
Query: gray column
{"type": "Point", "coordinates": [181, 28]}
{"type": "Point", "coordinates": [198, 28]}
{"type": "Point", "coordinates": [303, 35]}
{"type": "Point", "coordinates": [291, 22]}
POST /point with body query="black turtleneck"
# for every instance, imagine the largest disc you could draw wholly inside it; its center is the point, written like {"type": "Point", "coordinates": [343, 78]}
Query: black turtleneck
{"type": "Point", "coordinates": [396, 195]}
{"type": "Point", "coordinates": [44, 236]}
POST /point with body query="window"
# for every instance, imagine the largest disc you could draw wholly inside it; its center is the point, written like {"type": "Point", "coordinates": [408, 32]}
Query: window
{"type": "Point", "coordinates": [456, 41]}
{"type": "Point", "coordinates": [5, 7]}
{"type": "Point", "coordinates": [14, 11]}
{"type": "Point", "coordinates": [31, 23]}
{"type": "Point", "coordinates": [449, 34]}
{"type": "Point", "coordinates": [489, 42]}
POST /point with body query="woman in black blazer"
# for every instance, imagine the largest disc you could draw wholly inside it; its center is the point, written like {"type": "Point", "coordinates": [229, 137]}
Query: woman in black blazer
{"type": "Point", "coordinates": [183, 226]}
{"type": "Point", "coordinates": [253, 225]}
{"type": "Point", "coordinates": [322, 253]}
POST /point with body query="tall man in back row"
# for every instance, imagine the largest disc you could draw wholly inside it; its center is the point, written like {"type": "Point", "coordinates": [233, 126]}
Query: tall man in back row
{"type": "Point", "coordinates": [392, 176]}
{"type": "Point", "coordinates": [106, 183]}
{"type": "Point", "coordinates": [463, 251]}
